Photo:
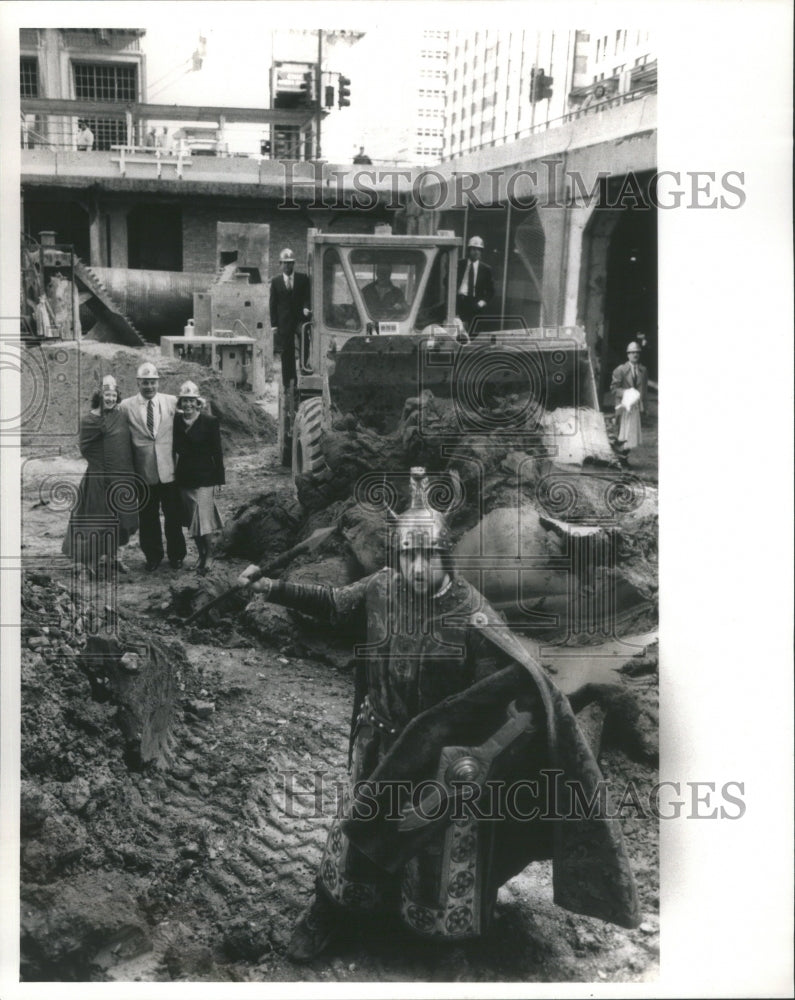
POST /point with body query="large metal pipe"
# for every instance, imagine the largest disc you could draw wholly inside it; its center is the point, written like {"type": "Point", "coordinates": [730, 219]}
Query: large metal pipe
{"type": "Point", "coordinates": [158, 302]}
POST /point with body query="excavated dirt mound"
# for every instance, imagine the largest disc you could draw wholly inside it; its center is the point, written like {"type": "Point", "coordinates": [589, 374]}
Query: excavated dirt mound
{"type": "Point", "coordinates": [180, 845]}
{"type": "Point", "coordinates": [58, 380]}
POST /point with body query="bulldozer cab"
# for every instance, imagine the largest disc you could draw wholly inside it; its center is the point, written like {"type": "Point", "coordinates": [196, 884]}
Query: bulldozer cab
{"type": "Point", "coordinates": [384, 330]}
{"type": "Point", "coordinates": [369, 286]}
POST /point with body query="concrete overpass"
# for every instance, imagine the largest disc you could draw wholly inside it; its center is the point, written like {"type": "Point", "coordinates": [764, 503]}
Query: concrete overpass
{"type": "Point", "coordinates": [568, 242]}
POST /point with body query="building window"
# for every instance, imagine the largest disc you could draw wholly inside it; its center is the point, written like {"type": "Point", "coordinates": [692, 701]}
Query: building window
{"type": "Point", "coordinates": [105, 82]}
{"type": "Point", "coordinates": [108, 132]}
{"type": "Point", "coordinates": [28, 77]}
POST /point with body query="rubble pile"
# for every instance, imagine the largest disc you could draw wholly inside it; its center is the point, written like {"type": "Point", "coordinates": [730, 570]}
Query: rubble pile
{"type": "Point", "coordinates": [563, 537]}
{"type": "Point", "coordinates": [264, 526]}
{"type": "Point", "coordinates": [98, 715]}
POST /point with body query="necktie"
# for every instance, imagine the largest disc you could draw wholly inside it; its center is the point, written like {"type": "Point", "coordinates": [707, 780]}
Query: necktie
{"type": "Point", "coordinates": [150, 418]}
{"type": "Point", "coordinates": [289, 282]}
{"type": "Point", "coordinates": [471, 288]}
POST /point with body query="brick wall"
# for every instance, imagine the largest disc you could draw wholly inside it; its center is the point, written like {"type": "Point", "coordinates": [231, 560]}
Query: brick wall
{"type": "Point", "coordinates": [199, 232]}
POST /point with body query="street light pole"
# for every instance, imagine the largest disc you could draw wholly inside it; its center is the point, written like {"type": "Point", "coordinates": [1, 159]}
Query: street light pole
{"type": "Point", "coordinates": [319, 88]}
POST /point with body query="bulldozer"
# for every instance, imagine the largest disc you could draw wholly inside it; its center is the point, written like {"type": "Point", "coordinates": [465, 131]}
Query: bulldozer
{"type": "Point", "coordinates": [383, 328]}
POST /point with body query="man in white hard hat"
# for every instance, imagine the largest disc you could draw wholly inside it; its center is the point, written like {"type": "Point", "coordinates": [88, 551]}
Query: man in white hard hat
{"type": "Point", "coordinates": [630, 387]}
{"type": "Point", "coordinates": [475, 284]}
{"type": "Point", "coordinates": [151, 418]}
{"type": "Point", "coordinates": [289, 307]}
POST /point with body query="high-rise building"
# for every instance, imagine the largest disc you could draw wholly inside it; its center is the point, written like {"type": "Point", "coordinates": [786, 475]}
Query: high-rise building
{"type": "Point", "coordinates": [430, 97]}
{"type": "Point", "coordinates": [506, 84]}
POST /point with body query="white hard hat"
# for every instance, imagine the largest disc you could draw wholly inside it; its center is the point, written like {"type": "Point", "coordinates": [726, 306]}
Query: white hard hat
{"type": "Point", "coordinates": [286, 254]}
{"type": "Point", "coordinates": [109, 382]}
{"type": "Point", "coordinates": [634, 346]}
{"type": "Point", "coordinates": [147, 370]}
{"type": "Point", "coordinates": [189, 390]}
{"type": "Point", "coordinates": [476, 241]}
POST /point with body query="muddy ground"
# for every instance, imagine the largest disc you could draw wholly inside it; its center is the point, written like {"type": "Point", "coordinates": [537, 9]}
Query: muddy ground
{"type": "Point", "coordinates": [173, 852]}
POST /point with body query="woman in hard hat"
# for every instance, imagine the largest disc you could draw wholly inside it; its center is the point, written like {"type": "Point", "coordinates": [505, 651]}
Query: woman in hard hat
{"type": "Point", "coordinates": [630, 386]}
{"type": "Point", "coordinates": [199, 470]}
{"type": "Point", "coordinates": [107, 494]}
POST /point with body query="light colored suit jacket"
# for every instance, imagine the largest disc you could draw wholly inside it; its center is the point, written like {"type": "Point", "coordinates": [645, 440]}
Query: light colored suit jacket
{"type": "Point", "coordinates": [153, 457]}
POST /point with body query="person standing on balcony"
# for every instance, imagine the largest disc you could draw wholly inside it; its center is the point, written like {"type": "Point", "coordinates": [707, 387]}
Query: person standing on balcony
{"type": "Point", "coordinates": [85, 137]}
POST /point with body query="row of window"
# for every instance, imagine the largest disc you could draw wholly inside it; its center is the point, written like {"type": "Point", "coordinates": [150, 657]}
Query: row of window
{"type": "Point", "coordinates": [620, 41]}
{"type": "Point", "coordinates": [433, 53]}
{"type": "Point", "coordinates": [93, 81]}
{"type": "Point", "coordinates": [28, 77]}
{"type": "Point", "coordinates": [434, 132]}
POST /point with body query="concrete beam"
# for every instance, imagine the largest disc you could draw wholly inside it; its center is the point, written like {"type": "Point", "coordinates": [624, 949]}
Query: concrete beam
{"type": "Point", "coordinates": [164, 112]}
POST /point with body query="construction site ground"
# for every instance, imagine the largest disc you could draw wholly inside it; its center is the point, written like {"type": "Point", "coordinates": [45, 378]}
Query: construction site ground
{"type": "Point", "coordinates": [195, 868]}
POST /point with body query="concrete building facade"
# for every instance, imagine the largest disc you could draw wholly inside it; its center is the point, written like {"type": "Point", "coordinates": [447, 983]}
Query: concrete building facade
{"type": "Point", "coordinates": [490, 80]}
{"type": "Point", "coordinates": [103, 65]}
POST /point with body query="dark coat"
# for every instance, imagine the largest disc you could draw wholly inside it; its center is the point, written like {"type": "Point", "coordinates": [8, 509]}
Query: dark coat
{"type": "Point", "coordinates": [198, 457]}
{"type": "Point", "coordinates": [287, 308]}
{"type": "Point", "coordinates": [108, 488]}
{"type": "Point", "coordinates": [467, 305]}
{"type": "Point", "coordinates": [447, 681]}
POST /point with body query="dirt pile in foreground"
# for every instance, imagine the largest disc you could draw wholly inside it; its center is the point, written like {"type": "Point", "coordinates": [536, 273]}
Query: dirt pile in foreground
{"type": "Point", "coordinates": [172, 819]}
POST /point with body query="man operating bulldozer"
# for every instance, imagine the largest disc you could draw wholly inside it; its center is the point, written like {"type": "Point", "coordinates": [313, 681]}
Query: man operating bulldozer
{"type": "Point", "coordinates": [466, 762]}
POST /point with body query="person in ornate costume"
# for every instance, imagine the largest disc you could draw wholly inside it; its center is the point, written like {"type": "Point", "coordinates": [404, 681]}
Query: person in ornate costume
{"type": "Point", "coordinates": [105, 513]}
{"type": "Point", "coordinates": [463, 757]}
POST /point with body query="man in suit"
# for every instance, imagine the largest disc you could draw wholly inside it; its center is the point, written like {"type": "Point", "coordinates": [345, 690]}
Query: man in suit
{"type": "Point", "coordinates": [475, 284]}
{"type": "Point", "coordinates": [632, 375]}
{"type": "Point", "coordinates": [289, 307]}
{"type": "Point", "coordinates": [150, 415]}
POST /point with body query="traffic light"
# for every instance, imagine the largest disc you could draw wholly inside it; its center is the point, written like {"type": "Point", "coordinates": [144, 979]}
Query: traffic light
{"type": "Point", "coordinates": [265, 147]}
{"type": "Point", "coordinates": [328, 99]}
{"type": "Point", "coordinates": [540, 85]}
{"type": "Point", "coordinates": [307, 87]}
{"type": "Point", "coordinates": [344, 92]}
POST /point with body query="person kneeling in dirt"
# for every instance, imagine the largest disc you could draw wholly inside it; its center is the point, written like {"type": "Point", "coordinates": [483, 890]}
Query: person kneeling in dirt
{"type": "Point", "coordinates": [198, 470]}
{"type": "Point", "coordinates": [456, 731]}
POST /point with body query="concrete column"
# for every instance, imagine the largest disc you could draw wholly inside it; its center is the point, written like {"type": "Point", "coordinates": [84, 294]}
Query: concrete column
{"type": "Point", "coordinates": [96, 234]}
{"type": "Point", "coordinates": [117, 251]}
{"type": "Point", "coordinates": [577, 220]}
{"type": "Point", "coordinates": [553, 220]}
